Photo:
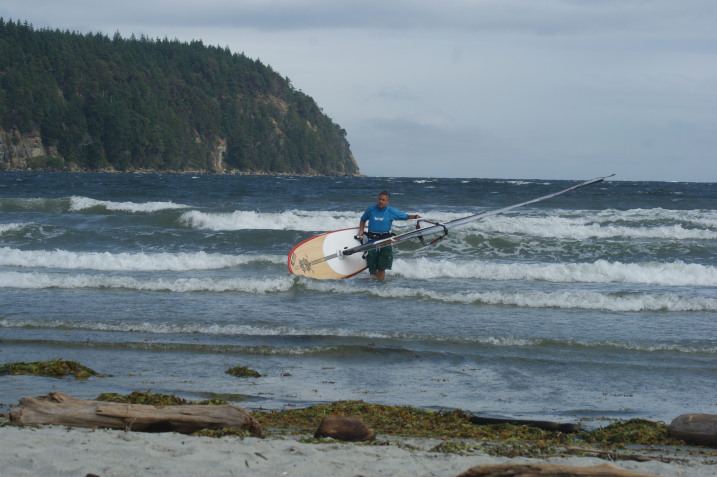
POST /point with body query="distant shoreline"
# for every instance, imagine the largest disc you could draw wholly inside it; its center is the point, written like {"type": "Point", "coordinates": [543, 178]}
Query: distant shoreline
{"type": "Point", "coordinates": [179, 172]}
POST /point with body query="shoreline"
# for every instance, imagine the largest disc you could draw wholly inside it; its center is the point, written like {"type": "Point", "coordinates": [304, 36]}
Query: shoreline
{"type": "Point", "coordinates": [408, 442]}
{"type": "Point", "coordinates": [232, 172]}
{"type": "Point", "coordinates": [113, 453]}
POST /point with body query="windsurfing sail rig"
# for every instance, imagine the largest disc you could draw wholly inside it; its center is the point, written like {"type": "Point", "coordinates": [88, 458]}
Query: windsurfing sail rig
{"type": "Point", "coordinates": [442, 228]}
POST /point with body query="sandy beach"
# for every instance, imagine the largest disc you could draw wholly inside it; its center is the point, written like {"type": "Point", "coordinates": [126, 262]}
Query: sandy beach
{"type": "Point", "coordinates": [59, 451]}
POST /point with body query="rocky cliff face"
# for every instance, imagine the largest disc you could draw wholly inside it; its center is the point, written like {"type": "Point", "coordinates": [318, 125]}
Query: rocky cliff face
{"type": "Point", "coordinates": [17, 151]}
{"type": "Point", "coordinates": [27, 151]}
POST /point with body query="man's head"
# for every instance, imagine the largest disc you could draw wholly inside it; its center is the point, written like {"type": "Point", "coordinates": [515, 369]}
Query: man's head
{"type": "Point", "coordinates": [383, 199]}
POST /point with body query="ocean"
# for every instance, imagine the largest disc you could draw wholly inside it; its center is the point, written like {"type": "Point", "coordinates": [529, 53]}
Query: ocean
{"type": "Point", "coordinates": [596, 305]}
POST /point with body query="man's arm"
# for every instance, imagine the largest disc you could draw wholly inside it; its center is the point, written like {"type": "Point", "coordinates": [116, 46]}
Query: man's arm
{"type": "Point", "coordinates": [362, 224]}
{"type": "Point", "coordinates": [400, 215]}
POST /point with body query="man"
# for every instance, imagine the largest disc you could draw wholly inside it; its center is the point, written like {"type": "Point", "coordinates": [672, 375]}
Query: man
{"type": "Point", "coordinates": [379, 218]}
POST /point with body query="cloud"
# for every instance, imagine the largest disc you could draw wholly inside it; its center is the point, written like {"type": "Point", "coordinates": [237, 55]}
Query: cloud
{"type": "Point", "coordinates": [548, 17]}
{"type": "Point", "coordinates": [500, 88]}
{"type": "Point", "coordinates": [406, 147]}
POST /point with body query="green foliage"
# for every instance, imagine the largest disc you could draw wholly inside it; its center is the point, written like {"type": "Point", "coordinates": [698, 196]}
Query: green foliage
{"type": "Point", "coordinates": [56, 368]}
{"type": "Point", "coordinates": [46, 162]}
{"type": "Point", "coordinates": [160, 104]}
{"type": "Point", "coordinates": [243, 372]}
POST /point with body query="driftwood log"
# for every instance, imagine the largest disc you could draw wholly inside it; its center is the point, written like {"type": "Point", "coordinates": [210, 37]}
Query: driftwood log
{"type": "Point", "coordinates": [547, 470]}
{"type": "Point", "coordinates": [60, 409]}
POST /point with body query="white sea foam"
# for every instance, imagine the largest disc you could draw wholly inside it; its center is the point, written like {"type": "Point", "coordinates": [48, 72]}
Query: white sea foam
{"type": "Point", "coordinates": [515, 182]}
{"type": "Point", "coordinates": [565, 224]}
{"type": "Point", "coordinates": [128, 261]}
{"type": "Point", "coordinates": [190, 328]}
{"type": "Point", "coordinates": [78, 203]}
{"type": "Point", "coordinates": [575, 299]}
{"type": "Point", "coordinates": [303, 220]}
{"type": "Point", "coordinates": [532, 299]}
{"type": "Point", "coordinates": [253, 330]}
{"type": "Point", "coordinates": [655, 223]}
{"type": "Point", "coordinates": [582, 228]}
{"type": "Point", "coordinates": [36, 280]}
{"type": "Point", "coordinates": [652, 347]}
{"type": "Point", "coordinates": [13, 227]}
{"type": "Point", "coordinates": [700, 217]}
{"type": "Point", "coordinates": [600, 271]}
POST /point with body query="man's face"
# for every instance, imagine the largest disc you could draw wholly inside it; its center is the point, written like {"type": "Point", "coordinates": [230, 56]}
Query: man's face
{"type": "Point", "coordinates": [382, 201]}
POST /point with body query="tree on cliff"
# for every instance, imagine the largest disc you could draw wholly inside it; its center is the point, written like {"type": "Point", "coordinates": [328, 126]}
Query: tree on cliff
{"type": "Point", "coordinates": [141, 103]}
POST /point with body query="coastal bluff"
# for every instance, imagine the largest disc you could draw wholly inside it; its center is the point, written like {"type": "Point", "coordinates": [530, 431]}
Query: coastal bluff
{"type": "Point", "coordinates": [88, 102]}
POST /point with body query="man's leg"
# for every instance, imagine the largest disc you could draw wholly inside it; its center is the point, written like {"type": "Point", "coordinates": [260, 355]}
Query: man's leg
{"type": "Point", "coordinates": [384, 262]}
{"type": "Point", "coordinates": [372, 262]}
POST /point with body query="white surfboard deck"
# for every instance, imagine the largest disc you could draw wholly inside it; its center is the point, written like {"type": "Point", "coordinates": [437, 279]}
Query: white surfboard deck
{"type": "Point", "coordinates": [314, 248]}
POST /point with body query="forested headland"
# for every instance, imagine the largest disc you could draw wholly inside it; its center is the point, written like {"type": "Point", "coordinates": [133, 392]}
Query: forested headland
{"type": "Point", "coordinates": [93, 102]}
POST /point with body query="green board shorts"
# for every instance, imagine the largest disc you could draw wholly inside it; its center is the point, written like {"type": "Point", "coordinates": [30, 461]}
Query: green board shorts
{"type": "Point", "coordinates": [379, 259]}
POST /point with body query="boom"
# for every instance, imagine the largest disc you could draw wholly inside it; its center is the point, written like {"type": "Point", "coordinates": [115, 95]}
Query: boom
{"type": "Point", "coordinates": [438, 228]}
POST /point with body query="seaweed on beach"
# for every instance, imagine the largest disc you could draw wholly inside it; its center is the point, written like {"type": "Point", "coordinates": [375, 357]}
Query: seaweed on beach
{"type": "Point", "coordinates": [511, 448]}
{"type": "Point", "coordinates": [56, 368]}
{"type": "Point", "coordinates": [461, 436]}
{"type": "Point", "coordinates": [154, 399]}
{"type": "Point", "coordinates": [222, 398]}
{"type": "Point", "coordinates": [223, 432]}
{"type": "Point", "coordinates": [632, 432]}
{"type": "Point", "coordinates": [243, 372]}
{"type": "Point", "coordinates": [402, 421]}
{"type": "Point", "coordinates": [143, 397]}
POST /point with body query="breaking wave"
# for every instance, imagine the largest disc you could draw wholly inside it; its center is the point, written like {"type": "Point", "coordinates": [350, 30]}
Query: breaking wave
{"type": "Point", "coordinates": [520, 182]}
{"type": "Point", "coordinates": [583, 228]}
{"type": "Point", "coordinates": [78, 203]}
{"type": "Point", "coordinates": [569, 299]}
{"type": "Point", "coordinates": [572, 299]}
{"type": "Point", "coordinates": [600, 271]}
{"type": "Point", "coordinates": [576, 225]}
{"type": "Point", "coordinates": [106, 261]}
{"type": "Point", "coordinates": [4, 228]}
{"type": "Point", "coordinates": [304, 220]}
{"type": "Point", "coordinates": [163, 328]}
{"type": "Point", "coordinates": [191, 328]}
{"type": "Point", "coordinates": [37, 280]}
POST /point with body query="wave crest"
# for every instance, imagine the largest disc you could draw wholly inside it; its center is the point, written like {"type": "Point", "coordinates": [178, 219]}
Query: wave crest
{"type": "Point", "coordinates": [79, 203]}
{"type": "Point", "coordinates": [573, 299]}
{"type": "Point", "coordinates": [600, 271]}
{"type": "Point", "coordinates": [12, 227]}
{"type": "Point", "coordinates": [36, 280]}
{"type": "Point", "coordinates": [162, 328]}
{"type": "Point", "coordinates": [107, 261]}
{"type": "Point", "coordinates": [304, 220]}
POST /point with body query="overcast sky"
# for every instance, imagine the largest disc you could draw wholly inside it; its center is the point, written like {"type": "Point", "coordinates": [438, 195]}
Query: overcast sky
{"type": "Point", "coordinates": [485, 88]}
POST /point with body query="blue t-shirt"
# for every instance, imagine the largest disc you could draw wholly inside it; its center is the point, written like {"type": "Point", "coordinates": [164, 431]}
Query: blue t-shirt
{"type": "Point", "coordinates": [379, 220]}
